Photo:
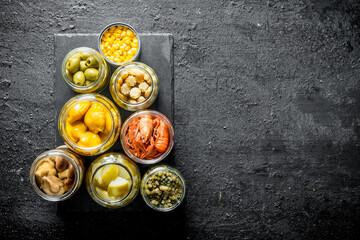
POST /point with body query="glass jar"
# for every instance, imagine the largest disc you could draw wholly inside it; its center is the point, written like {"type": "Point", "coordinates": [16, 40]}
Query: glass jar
{"type": "Point", "coordinates": [148, 94]}
{"type": "Point", "coordinates": [127, 140]}
{"type": "Point", "coordinates": [103, 68]}
{"type": "Point", "coordinates": [71, 158]}
{"type": "Point", "coordinates": [113, 118]}
{"type": "Point", "coordinates": [172, 173]}
{"type": "Point", "coordinates": [128, 167]}
{"type": "Point", "coordinates": [116, 40]}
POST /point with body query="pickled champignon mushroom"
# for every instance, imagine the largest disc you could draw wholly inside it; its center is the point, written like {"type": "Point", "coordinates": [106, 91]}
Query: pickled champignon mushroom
{"type": "Point", "coordinates": [45, 167]}
{"type": "Point", "coordinates": [52, 185]}
{"type": "Point", "coordinates": [61, 163]}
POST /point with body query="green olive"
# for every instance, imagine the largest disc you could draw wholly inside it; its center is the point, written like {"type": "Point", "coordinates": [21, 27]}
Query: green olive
{"type": "Point", "coordinates": [88, 82]}
{"type": "Point", "coordinates": [83, 66]}
{"type": "Point", "coordinates": [73, 64]}
{"type": "Point", "coordinates": [84, 55]}
{"type": "Point", "coordinates": [77, 55]}
{"type": "Point", "coordinates": [91, 74]}
{"type": "Point", "coordinates": [92, 62]}
{"type": "Point", "coordinates": [79, 78]}
{"type": "Point", "coordinates": [69, 75]}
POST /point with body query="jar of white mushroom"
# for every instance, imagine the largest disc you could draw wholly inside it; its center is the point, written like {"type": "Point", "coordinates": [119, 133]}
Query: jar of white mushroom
{"type": "Point", "coordinates": [134, 86]}
{"type": "Point", "coordinates": [57, 174]}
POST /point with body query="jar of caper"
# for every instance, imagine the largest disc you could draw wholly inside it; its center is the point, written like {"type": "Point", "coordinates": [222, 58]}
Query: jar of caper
{"type": "Point", "coordinates": [163, 188]}
{"type": "Point", "coordinates": [85, 70]}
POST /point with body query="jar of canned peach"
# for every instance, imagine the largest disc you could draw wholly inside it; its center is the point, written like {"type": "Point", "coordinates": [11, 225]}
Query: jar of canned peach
{"type": "Point", "coordinates": [89, 123]}
{"type": "Point", "coordinates": [113, 180]}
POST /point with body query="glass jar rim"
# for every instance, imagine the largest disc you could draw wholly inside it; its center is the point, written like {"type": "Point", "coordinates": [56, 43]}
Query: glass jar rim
{"type": "Point", "coordinates": [117, 74]}
{"type": "Point", "coordinates": [171, 137]}
{"type": "Point", "coordinates": [124, 25]}
{"type": "Point", "coordinates": [64, 112]}
{"type": "Point", "coordinates": [157, 169]}
{"type": "Point", "coordinates": [97, 194]}
{"type": "Point", "coordinates": [96, 54]}
{"type": "Point", "coordinates": [53, 153]}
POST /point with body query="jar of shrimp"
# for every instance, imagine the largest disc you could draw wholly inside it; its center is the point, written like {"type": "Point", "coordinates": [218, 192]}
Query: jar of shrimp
{"type": "Point", "coordinates": [89, 123]}
{"type": "Point", "coordinates": [57, 174]}
{"type": "Point", "coordinates": [85, 70]}
{"type": "Point", "coordinates": [134, 86]}
{"type": "Point", "coordinates": [147, 136]}
{"type": "Point", "coordinates": [113, 180]}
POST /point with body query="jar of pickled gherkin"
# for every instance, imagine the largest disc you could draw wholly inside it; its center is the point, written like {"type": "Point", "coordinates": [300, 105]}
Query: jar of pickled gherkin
{"type": "Point", "coordinates": [134, 86]}
{"type": "Point", "coordinates": [113, 180]}
{"type": "Point", "coordinates": [57, 174]}
{"type": "Point", "coordinates": [85, 70]}
{"type": "Point", "coordinates": [89, 124]}
{"type": "Point", "coordinates": [163, 188]}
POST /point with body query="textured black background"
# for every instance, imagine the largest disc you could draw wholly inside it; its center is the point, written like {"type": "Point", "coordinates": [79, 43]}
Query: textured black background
{"type": "Point", "coordinates": [267, 118]}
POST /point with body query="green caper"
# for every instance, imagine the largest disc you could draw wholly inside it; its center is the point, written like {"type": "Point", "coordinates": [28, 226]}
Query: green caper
{"type": "Point", "coordinates": [69, 75]}
{"type": "Point", "coordinates": [83, 66]}
{"type": "Point", "coordinates": [87, 82]}
{"type": "Point", "coordinates": [73, 64]}
{"type": "Point", "coordinates": [84, 55]}
{"type": "Point", "coordinates": [91, 74]}
{"type": "Point", "coordinates": [79, 78]}
{"type": "Point", "coordinates": [91, 62]}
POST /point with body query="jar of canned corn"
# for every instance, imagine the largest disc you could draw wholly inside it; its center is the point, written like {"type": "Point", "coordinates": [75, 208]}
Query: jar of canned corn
{"type": "Point", "coordinates": [119, 43]}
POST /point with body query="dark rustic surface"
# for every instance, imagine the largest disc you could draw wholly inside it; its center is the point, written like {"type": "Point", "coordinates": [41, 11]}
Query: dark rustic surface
{"type": "Point", "coordinates": [267, 98]}
{"type": "Point", "coordinates": [156, 51]}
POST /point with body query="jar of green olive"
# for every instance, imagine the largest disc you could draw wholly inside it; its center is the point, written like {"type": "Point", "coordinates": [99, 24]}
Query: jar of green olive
{"type": "Point", "coordinates": [163, 188]}
{"type": "Point", "coordinates": [134, 86]}
{"type": "Point", "coordinates": [57, 174]}
{"type": "Point", "coordinates": [85, 70]}
{"type": "Point", "coordinates": [113, 180]}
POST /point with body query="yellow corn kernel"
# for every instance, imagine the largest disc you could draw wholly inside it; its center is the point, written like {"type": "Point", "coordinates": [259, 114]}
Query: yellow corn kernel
{"type": "Point", "coordinates": [135, 40]}
{"type": "Point", "coordinates": [127, 48]}
{"type": "Point", "coordinates": [130, 33]}
{"type": "Point", "coordinates": [134, 45]}
{"type": "Point", "coordinates": [107, 34]}
{"type": "Point", "coordinates": [120, 27]}
{"type": "Point", "coordinates": [111, 57]}
{"type": "Point", "coordinates": [124, 54]}
{"type": "Point", "coordinates": [127, 41]}
{"type": "Point", "coordinates": [133, 51]}
{"type": "Point", "coordinates": [116, 60]}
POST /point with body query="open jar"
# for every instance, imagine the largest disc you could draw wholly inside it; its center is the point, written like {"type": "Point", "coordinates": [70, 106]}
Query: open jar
{"type": "Point", "coordinates": [85, 70]}
{"type": "Point", "coordinates": [134, 86]}
{"type": "Point", "coordinates": [147, 136]}
{"type": "Point", "coordinates": [57, 174]}
{"type": "Point", "coordinates": [113, 180]}
{"type": "Point", "coordinates": [119, 43]}
{"type": "Point", "coordinates": [89, 124]}
{"type": "Point", "coordinates": [163, 188]}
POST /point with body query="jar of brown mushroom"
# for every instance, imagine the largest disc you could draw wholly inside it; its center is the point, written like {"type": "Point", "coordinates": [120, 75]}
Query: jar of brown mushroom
{"type": "Point", "coordinates": [134, 86]}
{"type": "Point", "coordinates": [57, 174]}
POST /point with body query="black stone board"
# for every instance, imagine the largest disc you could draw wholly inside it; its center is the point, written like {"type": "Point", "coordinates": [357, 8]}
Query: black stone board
{"type": "Point", "coordinates": [157, 52]}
